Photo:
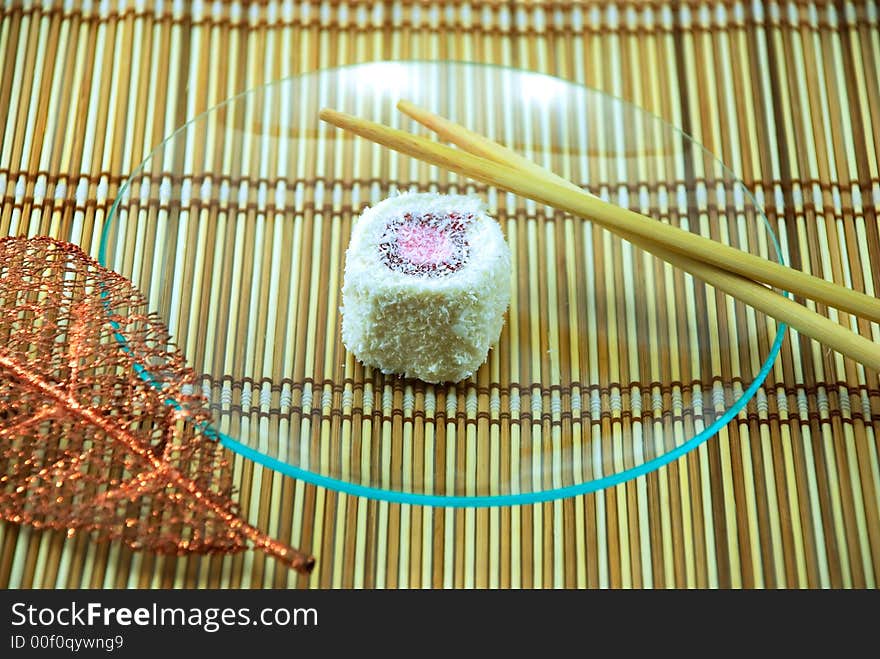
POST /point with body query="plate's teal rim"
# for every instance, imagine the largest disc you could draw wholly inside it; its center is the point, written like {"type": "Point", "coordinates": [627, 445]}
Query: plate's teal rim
{"type": "Point", "coordinates": [477, 501]}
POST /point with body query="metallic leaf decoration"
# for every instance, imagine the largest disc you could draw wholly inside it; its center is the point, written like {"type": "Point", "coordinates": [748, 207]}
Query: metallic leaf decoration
{"type": "Point", "coordinates": [103, 427]}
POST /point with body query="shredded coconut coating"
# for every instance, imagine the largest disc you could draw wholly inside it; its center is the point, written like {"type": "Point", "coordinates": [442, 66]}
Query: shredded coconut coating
{"type": "Point", "coordinates": [426, 285]}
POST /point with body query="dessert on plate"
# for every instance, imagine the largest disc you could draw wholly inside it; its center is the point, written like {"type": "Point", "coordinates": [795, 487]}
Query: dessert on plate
{"type": "Point", "coordinates": [426, 285]}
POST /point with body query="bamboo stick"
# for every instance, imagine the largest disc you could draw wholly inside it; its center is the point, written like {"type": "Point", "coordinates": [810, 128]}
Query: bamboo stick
{"type": "Point", "coordinates": [666, 241]}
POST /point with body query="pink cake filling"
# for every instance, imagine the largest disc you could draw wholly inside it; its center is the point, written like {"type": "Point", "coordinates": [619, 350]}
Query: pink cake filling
{"type": "Point", "coordinates": [425, 245]}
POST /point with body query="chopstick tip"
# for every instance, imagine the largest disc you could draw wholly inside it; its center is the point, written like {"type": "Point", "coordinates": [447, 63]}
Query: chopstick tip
{"type": "Point", "coordinates": [337, 118]}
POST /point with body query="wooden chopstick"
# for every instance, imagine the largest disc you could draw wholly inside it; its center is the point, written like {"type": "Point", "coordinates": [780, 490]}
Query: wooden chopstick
{"type": "Point", "coordinates": [520, 176]}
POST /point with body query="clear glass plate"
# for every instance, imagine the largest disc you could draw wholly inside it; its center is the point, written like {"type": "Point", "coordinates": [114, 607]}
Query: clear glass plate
{"type": "Point", "coordinates": [610, 365]}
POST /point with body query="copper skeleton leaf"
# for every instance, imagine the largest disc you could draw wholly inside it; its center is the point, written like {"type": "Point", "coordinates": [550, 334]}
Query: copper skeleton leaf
{"type": "Point", "coordinates": [103, 428]}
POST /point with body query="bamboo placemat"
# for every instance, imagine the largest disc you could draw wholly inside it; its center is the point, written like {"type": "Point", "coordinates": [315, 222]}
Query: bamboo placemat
{"type": "Point", "coordinates": [788, 495]}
